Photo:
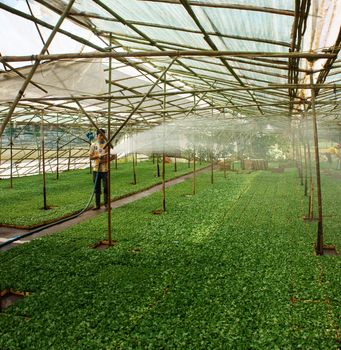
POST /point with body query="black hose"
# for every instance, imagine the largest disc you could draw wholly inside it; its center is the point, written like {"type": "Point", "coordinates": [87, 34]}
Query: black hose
{"type": "Point", "coordinates": [40, 228]}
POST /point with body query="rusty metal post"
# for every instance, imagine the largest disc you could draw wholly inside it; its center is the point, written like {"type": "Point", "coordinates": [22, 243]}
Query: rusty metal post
{"type": "Point", "coordinates": [224, 167]}
{"type": "Point", "coordinates": [163, 153]}
{"type": "Point", "coordinates": [319, 242]}
{"type": "Point", "coordinates": [212, 168]}
{"type": "Point", "coordinates": [299, 145]}
{"type": "Point", "coordinates": [69, 160]}
{"type": "Point", "coordinates": [57, 155]}
{"type": "Point", "coordinates": [311, 185]}
{"type": "Point", "coordinates": [194, 180]}
{"type": "Point", "coordinates": [43, 157]}
{"type": "Point", "coordinates": [57, 151]}
{"type": "Point", "coordinates": [108, 200]}
{"type": "Point", "coordinates": [134, 170]}
{"type": "Point", "coordinates": [305, 168]}
{"type": "Point", "coordinates": [11, 155]}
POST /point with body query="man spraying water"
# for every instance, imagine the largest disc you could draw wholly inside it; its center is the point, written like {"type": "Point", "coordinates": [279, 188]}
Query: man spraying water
{"type": "Point", "coordinates": [99, 157]}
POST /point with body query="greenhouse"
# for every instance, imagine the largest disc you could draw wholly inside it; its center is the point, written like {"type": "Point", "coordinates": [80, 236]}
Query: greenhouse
{"type": "Point", "coordinates": [170, 174]}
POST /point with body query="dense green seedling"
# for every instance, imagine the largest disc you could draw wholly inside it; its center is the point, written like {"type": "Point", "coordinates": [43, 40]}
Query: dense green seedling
{"type": "Point", "coordinates": [23, 204]}
{"type": "Point", "coordinates": [230, 268]}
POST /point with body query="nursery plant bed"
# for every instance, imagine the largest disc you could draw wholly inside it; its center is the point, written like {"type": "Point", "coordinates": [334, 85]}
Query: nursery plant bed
{"type": "Point", "coordinates": [10, 296]}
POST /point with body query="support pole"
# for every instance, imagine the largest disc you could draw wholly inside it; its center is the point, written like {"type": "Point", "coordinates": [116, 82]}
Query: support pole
{"type": "Point", "coordinates": [134, 169]}
{"type": "Point", "coordinates": [299, 145]}
{"type": "Point", "coordinates": [305, 167]}
{"type": "Point", "coordinates": [163, 153]}
{"type": "Point", "coordinates": [57, 153]}
{"type": "Point", "coordinates": [194, 174]}
{"type": "Point", "coordinates": [11, 155]}
{"type": "Point", "coordinates": [224, 168]}
{"type": "Point", "coordinates": [175, 165]}
{"type": "Point", "coordinates": [43, 157]}
{"type": "Point", "coordinates": [108, 200]}
{"type": "Point", "coordinates": [0, 149]}
{"type": "Point", "coordinates": [212, 168]}
{"type": "Point", "coordinates": [319, 242]}
{"type": "Point", "coordinates": [69, 160]}
{"type": "Point", "coordinates": [35, 66]}
{"type": "Point", "coordinates": [311, 184]}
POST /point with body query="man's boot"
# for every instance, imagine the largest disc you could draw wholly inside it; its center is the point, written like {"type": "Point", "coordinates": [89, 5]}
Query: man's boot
{"type": "Point", "coordinates": [98, 201]}
{"type": "Point", "coordinates": [106, 200]}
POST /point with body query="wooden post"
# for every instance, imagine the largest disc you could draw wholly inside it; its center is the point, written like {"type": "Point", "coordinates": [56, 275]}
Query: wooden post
{"type": "Point", "coordinates": [194, 182]}
{"type": "Point", "coordinates": [43, 157]}
{"type": "Point", "coordinates": [134, 170]}
{"type": "Point", "coordinates": [57, 152]}
{"type": "Point", "coordinates": [57, 155]}
{"type": "Point", "coordinates": [69, 160]}
{"type": "Point", "coordinates": [212, 168]}
{"type": "Point", "coordinates": [0, 149]}
{"type": "Point", "coordinates": [299, 145]}
{"type": "Point", "coordinates": [11, 155]}
{"type": "Point", "coordinates": [163, 153]}
{"type": "Point", "coordinates": [224, 167]}
{"type": "Point", "coordinates": [108, 151]}
{"type": "Point", "coordinates": [175, 165]}
{"type": "Point", "coordinates": [305, 168]}
{"type": "Point", "coordinates": [319, 242]}
{"type": "Point", "coordinates": [293, 143]}
{"type": "Point", "coordinates": [311, 184]}
{"type": "Point", "coordinates": [38, 151]}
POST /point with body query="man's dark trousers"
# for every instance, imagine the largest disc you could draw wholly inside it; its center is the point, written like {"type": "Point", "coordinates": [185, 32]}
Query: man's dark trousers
{"type": "Point", "coordinates": [102, 176]}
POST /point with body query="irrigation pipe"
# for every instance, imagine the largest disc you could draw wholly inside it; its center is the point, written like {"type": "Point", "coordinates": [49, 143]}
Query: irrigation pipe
{"type": "Point", "coordinates": [40, 228]}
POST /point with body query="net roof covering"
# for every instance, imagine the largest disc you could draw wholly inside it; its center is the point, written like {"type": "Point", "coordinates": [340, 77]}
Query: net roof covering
{"type": "Point", "coordinates": [270, 48]}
